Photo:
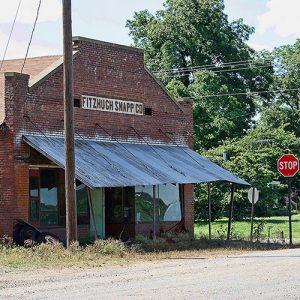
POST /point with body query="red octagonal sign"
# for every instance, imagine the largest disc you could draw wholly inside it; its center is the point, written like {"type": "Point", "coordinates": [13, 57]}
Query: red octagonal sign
{"type": "Point", "coordinates": [288, 165]}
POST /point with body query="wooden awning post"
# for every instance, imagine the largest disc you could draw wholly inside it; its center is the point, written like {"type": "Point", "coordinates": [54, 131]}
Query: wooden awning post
{"type": "Point", "coordinates": [92, 213]}
{"type": "Point", "coordinates": [154, 214]}
{"type": "Point", "coordinates": [209, 209]}
{"type": "Point", "coordinates": [230, 211]}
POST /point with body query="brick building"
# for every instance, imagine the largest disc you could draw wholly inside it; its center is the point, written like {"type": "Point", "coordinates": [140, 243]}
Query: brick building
{"type": "Point", "coordinates": [134, 167]}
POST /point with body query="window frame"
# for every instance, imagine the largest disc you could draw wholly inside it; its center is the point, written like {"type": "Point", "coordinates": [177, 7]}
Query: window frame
{"type": "Point", "coordinates": [37, 173]}
{"type": "Point", "coordinates": [158, 218]}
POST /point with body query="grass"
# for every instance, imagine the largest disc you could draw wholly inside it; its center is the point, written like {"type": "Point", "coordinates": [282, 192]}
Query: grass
{"type": "Point", "coordinates": [115, 252]}
{"type": "Point", "coordinates": [112, 252]}
{"type": "Point", "coordinates": [271, 227]}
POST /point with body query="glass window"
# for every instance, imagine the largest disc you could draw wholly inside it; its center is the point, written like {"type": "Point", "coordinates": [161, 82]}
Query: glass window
{"type": "Point", "coordinates": [34, 210]}
{"type": "Point", "coordinates": [119, 205]}
{"type": "Point", "coordinates": [34, 186]}
{"type": "Point", "coordinates": [128, 205]}
{"type": "Point", "coordinates": [114, 205]}
{"type": "Point", "coordinates": [168, 202]}
{"type": "Point", "coordinates": [48, 197]}
{"type": "Point", "coordinates": [81, 199]}
{"type": "Point", "coordinates": [144, 203]}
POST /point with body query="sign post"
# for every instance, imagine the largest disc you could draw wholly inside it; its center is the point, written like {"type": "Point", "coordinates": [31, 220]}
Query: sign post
{"type": "Point", "coordinates": [253, 195]}
{"type": "Point", "coordinates": [288, 166]}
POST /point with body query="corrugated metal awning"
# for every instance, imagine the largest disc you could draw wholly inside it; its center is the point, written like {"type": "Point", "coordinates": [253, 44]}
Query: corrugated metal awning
{"type": "Point", "coordinates": [112, 164]}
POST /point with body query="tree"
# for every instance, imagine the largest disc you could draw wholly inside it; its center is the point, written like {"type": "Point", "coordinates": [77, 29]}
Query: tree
{"type": "Point", "coordinates": [189, 33]}
{"type": "Point", "coordinates": [283, 109]}
{"type": "Point", "coordinates": [254, 158]}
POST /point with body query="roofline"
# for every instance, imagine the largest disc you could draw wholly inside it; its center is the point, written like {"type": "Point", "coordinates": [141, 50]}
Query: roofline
{"type": "Point", "coordinates": [84, 39]}
{"type": "Point", "coordinates": [11, 74]}
{"type": "Point", "coordinates": [32, 57]}
{"type": "Point", "coordinates": [163, 87]}
{"type": "Point", "coordinates": [46, 73]}
{"type": "Point", "coordinates": [185, 99]}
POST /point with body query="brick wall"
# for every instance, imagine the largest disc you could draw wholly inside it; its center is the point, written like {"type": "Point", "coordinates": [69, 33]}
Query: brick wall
{"type": "Point", "coordinates": [188, 207]}
{"type": "Point", "coordinates": [2, 112]}
{"type": "Point", "coordinates": [13, 175]}
{"type": "Point", "coordinates": [100, 69]}
{"type": "Point", "coordinates": [7, 194]}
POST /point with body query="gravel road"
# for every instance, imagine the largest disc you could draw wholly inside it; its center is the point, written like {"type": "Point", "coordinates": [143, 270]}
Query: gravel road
{"type": "Point", "coordinates": [255, 275]}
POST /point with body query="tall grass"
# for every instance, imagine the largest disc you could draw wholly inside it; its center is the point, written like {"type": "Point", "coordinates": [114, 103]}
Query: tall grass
{"type": "Point", "coordinates": [57, 254]}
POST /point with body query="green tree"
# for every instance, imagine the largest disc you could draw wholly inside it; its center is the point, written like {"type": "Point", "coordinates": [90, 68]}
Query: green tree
{"type": "Point", "coordinates": [283, 108]}
{"type": "Point", "coordinates": [189, 33]}
{"type": "Point", "coordinates": [254, 158]}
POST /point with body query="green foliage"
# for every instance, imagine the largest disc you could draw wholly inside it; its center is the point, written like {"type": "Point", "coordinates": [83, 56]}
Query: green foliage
{"type": "Point", "coordinates": [266, 227]}
{"type": "Point", "coordinates": [283, 109]}
{"type": "Point", "coordinates": [258, 228]}
{"type": "Point", "coordinates": [108, 247]}
{"type": "Point", "coordinates": [189, 32]}
{"type": "Point", "coordinates": [254, 158]}
{"type": "Point", "coordinates": [195, 33]}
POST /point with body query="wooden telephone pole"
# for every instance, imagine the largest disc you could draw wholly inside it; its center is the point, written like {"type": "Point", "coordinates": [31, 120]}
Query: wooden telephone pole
{"type": "Point", "coordinates": [71, 212]}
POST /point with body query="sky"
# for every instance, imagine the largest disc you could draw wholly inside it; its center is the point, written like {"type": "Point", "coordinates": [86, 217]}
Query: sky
{"type": "Point", "coordinates": [277, 22]}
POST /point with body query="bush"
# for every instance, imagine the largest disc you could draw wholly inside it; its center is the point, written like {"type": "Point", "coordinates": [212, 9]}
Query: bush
{"type": "Point", "coordinates": [109, 246]}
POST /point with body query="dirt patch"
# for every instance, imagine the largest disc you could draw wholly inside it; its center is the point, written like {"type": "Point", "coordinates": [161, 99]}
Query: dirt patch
{"type": "Point", "coordinates": [252, 275]}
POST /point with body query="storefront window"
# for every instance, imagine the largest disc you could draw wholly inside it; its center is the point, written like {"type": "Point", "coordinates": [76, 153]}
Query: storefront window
{"type": "Point", "coordinates": [144, 203]}
{"type": "Point", "coordinates": [82, 203]}
{"type": "Point", "coordinates": [34, 195]}
{"type": "Point", "coordinates": [119, 205]}
{"type": "Point", "coordinates": [168, 202]}
{"type": "Point", "coordinates": [48, 197]}
{"type": "Point", "coordinates": [81, 199]}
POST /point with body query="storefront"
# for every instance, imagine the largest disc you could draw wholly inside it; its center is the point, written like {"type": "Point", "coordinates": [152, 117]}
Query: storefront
{"type": "Point", "coordinates": [135, 168]}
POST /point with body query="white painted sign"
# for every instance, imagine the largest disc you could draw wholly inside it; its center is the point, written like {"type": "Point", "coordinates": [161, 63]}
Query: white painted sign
{"type": "Point", "coordinates": [112, 105]}
{"type": "Point", "coordinates": [256, 194]}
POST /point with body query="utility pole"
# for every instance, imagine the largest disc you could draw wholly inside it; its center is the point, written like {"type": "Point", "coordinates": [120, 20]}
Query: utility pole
{"type": "Point", "coordinates": [71, 212]}
{"type": "Point", "coordinates": [209, 210]}
{"type": "Point", "coordinates": [230, 211]}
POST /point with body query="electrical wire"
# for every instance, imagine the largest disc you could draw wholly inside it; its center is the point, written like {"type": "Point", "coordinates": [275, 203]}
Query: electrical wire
{"type": "Point", "coordinates": [148, 168]}
{"type": "Point", "coordinates": [186, 152]}
{"type": "Point", "coordinates": [10, 34]}
{"type": "Point", "coordinates": [31, 36]}
{"type": "Point", "coordinates": [246, 93]}
{"type": "Point", "coordinates": [155, 151]}
{"type": "Point", "coordinates": [188, 72]}
{"type": "Point", "coordinates": [106, 158]}
{"type": "Point", "coordinates": [212, 66]}
{"type": "Point", "coordinates": [227, 118]}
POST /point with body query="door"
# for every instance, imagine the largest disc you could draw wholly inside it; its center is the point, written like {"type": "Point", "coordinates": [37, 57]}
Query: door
{"type": "Point", "coordinates": [97, 221]}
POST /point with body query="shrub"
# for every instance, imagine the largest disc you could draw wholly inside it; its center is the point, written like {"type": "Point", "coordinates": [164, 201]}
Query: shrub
{"type": "Point", "coordinates": [109, 246]}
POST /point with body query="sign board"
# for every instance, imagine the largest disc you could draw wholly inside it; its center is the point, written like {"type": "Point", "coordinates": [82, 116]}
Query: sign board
{"type": "Point", "coordinates": [288, 165]}
{"type": "Point", "coordinates": [112, 105]}
{"type": "Point", "coordinates": [256, 194]}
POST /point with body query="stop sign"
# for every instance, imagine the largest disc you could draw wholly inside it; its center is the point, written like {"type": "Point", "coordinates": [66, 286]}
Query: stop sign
{"type": "Point", "coordinates": [288, 165]}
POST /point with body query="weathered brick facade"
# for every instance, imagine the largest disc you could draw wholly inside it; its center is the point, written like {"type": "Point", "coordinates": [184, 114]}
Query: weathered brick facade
{"type": "Point", "coordinates": [35, 105]}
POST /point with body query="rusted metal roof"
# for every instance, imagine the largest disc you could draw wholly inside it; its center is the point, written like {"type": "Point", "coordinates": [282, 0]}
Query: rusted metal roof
{"type": "Point", "coordinates": [112, 164]}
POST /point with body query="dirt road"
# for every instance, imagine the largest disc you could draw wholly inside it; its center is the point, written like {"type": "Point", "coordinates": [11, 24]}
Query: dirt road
{"type": "Point", "coordinates": [257, 275]}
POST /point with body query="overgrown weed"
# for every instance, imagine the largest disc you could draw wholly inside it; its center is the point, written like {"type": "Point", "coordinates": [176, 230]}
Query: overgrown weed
{"type": "Point", "coordinates": [113, 251]}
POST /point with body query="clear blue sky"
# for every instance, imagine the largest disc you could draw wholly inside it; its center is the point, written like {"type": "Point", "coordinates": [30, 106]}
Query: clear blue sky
{"type": "Point", "coordinates": [276, 22]}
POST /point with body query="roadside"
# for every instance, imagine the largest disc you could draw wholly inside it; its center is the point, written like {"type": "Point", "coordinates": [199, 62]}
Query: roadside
{"type": "Point", "coordinates": [255, 275]}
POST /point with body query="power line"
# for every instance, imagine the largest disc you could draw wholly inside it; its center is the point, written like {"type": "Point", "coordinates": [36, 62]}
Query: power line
{"type": "Point", "coordinates": [30, 40]}
{"type": "Point", "coordinates": [246, 93]}
{"type": "Point", "coordinates": [212, 66]}
{"type": "Point", "coordinates": [10, 34]}
{"type": "Point", "coordinates": [188, 72]}
{"type": "Point", "coordinates": [155, 151]}
{"type": "Point", "coordinates": [126, 149]}
{"type": "Point", "coordinates": [227, 118]}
